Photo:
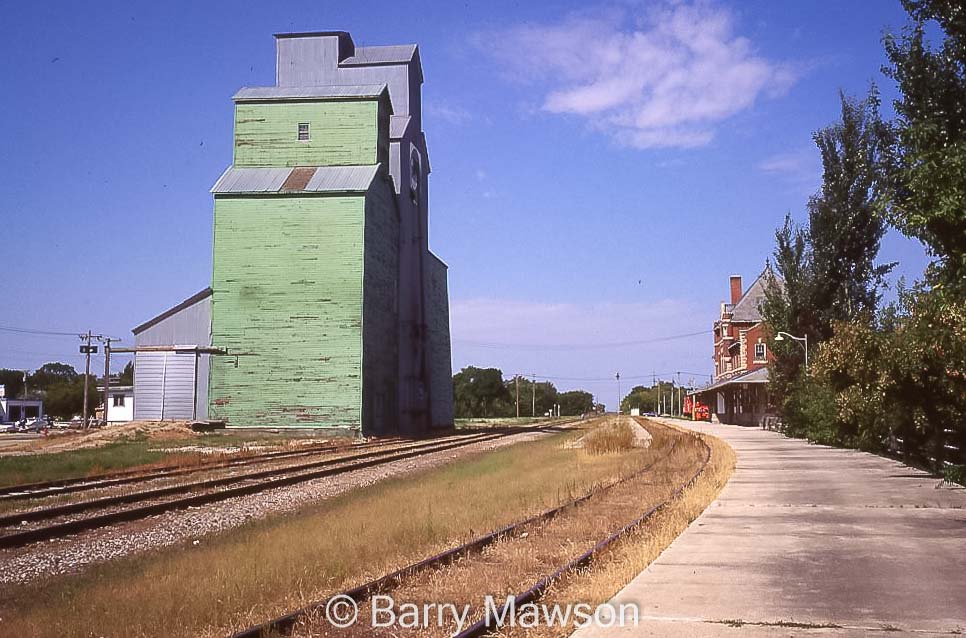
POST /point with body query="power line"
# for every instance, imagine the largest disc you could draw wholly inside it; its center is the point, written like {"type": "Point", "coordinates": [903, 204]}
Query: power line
{"type": "Point", "coordinates": [44, 333]}
{"type": "Point", "coordinates": [550, 377]}
{"type": "Point", "coordinates": [578, 346]}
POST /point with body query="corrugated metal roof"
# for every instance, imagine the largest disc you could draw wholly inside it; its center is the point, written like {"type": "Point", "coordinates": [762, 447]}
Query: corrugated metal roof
{"type": "Point", "coordinates": [324, 179]}
{"type": "Point", "coordinates": [269, 93]}
{"type": "Point", "coordinates": [398, 125]}
{"type": "Point", "coordinates": [392, 54]}
{"type": "Point", "coordinates": [251, 180]}
{"type": "Point", "coordinates": [342, 178]}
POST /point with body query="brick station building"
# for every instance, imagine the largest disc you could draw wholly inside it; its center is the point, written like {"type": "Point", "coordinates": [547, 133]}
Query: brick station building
{"type": "Point", "coordinates": [738, 393]}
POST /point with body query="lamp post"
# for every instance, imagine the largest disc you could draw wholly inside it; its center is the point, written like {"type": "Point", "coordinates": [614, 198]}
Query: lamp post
{"type": "Point", "coordinates": [802, 340]}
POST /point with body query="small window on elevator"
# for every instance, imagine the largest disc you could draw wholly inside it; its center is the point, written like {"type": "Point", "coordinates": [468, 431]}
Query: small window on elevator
{"type": "Point", "coordinates": [303, 131]}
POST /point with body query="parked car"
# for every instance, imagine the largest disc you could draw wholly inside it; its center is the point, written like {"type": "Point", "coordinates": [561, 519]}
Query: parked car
{"type": "Point", "coordinates": [35, 424]}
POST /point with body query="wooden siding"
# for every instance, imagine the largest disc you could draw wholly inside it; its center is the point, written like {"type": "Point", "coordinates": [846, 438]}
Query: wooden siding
{"type": "Point", "coordinates": [341, 133]}
{"type": "Point", "coordinates": [287, 282]}
{"type": "Point", "coordinates": [380, 336]}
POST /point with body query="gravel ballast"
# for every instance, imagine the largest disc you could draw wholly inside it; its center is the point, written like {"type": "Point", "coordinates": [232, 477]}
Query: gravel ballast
{"type": "Point", "coordinates": [72, 554]}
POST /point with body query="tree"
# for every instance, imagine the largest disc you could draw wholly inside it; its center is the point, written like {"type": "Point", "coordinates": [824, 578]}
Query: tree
{"type": "Point", "coordinates": [649, 399]}
{"type": "Point", "coordinates": [546, 397]}
{"type": "Point", "coordinates": [926, 198]}
{"type": "Point", "coordinates": [65, 399]}
{"type": "Point", "coordinates": [475, 390]}
{"type": "Point", "coordinates": [50, 374]}
{"type": "Point", "coordinates": [825, 272]}
{"type": "Point", "coordinates": [575, 402]}
{"type": "Point", "coordinates": [845, 227]}
{"type": "Point", "coordinates": [12, 382]}
{"type": "Point", "coordinates": [127, 375]}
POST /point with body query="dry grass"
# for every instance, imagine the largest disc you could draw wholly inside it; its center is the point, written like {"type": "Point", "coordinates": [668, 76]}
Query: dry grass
{"type": "Point", "coordinates": [610, 437]}
{"type": "Point", "coordinates": [271, 566]}
{"type": "Point", "coordinates": [513, 564]}
{"type": "Point", "coordinates": [611, 571]}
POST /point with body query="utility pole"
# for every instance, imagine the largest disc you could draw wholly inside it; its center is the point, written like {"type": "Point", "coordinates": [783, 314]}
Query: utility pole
{"type": "Point", "coordinates": [679, 394]}
{"type": "Point", "coordinates": [516, 380]}
{"type": "Point", "coordinates": [533, 389]}
{"type": "Point", "coordinates": [107, 372]}
{"type": "Point", "coordinates": [618, 375]}
{"type": "Point", "coordinates": [86, 350]}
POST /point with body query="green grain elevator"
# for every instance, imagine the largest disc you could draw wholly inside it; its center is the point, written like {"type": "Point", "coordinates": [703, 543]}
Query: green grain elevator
{"type": "Point", "coordinates": [333, 310]}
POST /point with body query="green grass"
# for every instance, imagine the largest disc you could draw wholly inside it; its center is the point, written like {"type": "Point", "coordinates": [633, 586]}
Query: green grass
{"type": "Point", "coordinates": [133, 452]}
{"type": "Point", "coordinates": [34, 468]}
{"type": "Point", "coordinates": [269, 566]}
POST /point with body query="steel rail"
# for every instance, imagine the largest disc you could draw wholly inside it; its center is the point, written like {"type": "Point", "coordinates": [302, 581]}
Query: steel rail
{"type": "Point", "coordinates": [488, 624]}
{"type": "Point", "coordinates": [285, 623]}
{"type": "Point", "coordinates": [79, 484]}
{"type": "Point", "coordinates": [54, 511]}
{"type": "Point", "coordinates": [51, 488]}
{"type": "Point", "coordinates": [56, 530]}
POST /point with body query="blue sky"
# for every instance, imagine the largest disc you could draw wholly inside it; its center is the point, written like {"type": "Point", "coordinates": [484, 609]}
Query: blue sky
{"type": "Point", "coordinates": [598, 170]}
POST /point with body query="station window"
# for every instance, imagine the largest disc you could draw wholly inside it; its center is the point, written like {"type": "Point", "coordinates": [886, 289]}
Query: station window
{"type": "Point", "coordinates": [303, 131]}
{"type": "Point", "coordinates": [118, 400]}
{"type": "Point", "coordinates": [759, 352]}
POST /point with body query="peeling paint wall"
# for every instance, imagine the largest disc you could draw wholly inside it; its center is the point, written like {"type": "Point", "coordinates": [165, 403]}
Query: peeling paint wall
{"type": "Point", "coordinates": [341, 133]}
{"type": "Point", "coordinates": [287, 297]}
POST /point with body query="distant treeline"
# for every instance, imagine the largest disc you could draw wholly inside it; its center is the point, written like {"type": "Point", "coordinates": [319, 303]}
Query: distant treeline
{"type": "Point", "coordinates": [483, 392]}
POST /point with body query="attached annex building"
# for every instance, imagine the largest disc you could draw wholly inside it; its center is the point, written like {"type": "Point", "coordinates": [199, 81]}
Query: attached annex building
{"type": "Point", "coordinates": [326, 306]}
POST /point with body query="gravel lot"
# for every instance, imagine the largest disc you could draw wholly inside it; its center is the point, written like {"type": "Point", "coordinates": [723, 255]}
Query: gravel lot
{"type": "Point", "coordinates": [72, 554]}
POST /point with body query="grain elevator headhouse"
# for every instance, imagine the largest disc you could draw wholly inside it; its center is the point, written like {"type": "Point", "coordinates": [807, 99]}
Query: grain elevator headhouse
{"type": "Point", "coordinates": [324, 289]}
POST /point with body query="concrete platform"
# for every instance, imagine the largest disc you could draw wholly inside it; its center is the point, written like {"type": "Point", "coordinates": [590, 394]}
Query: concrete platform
{"type": "Point", "coordinates": [807, 540]}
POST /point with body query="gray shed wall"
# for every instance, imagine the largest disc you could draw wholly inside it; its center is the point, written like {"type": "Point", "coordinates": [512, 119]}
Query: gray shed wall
{"type": "Point", "coordinates": [163, 380]}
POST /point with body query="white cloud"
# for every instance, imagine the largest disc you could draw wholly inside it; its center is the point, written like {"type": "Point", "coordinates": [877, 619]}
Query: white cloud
{"type": "Point", "coordinates": [660, 77]}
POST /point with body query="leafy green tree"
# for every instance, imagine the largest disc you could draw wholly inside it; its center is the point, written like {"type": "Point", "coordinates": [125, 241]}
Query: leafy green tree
{"type": "Point", "coordinates": [475, 390]}
{"type": "Point", "coordinates": [50, 374]}
{"type": "Point", "coordinates": [648, 399]}
{"type": "Point", "coordinates": [825, 271]}
{"type": "Point", "coordinates": [927, 194]}
{"type": "Point", "coordinates": [845, 228]}
{"type": "Point", "coordinates": [575, 402]}
{"type": "Point", "coordinates": [127, 375]}
{"type": "Point", "coordinates": [12, 381]}
{"type": "Point", "coordinates": [65, 399]}
{"type": "Point", "coordinates": [546, 397]}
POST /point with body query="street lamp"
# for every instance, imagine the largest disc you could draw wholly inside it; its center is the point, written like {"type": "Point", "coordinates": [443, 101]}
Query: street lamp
{"type": "Point", "coordinates": [802, 340]}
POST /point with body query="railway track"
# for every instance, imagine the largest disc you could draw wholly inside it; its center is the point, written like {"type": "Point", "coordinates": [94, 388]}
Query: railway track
{"type": "Point", "coordinates": [43, 524]}
{"type": "Point", "coordinates": [45, 489]}
{"type": "Point", "coordinates": [285, 624]}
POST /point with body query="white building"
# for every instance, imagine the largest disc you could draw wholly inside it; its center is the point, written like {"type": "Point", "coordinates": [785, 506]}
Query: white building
{"type": "Point", "coordinates": [120, 403]}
